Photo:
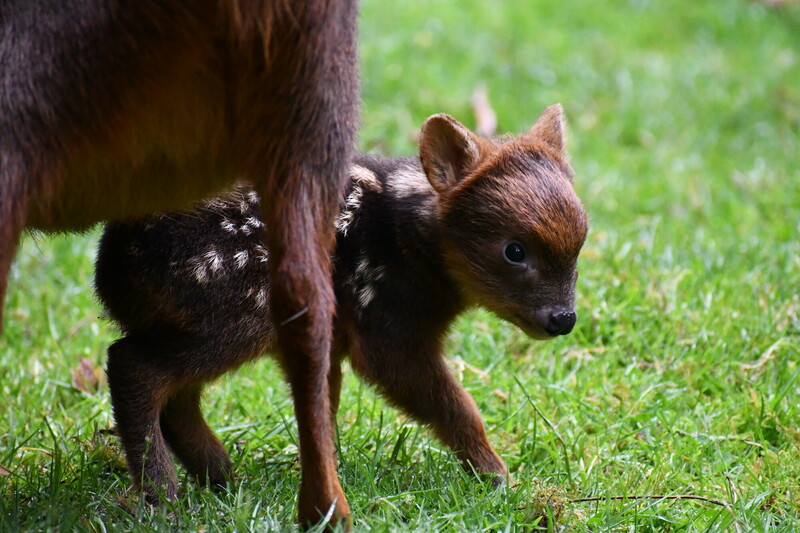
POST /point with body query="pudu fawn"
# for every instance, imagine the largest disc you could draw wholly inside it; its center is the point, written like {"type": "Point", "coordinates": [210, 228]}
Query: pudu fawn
{"type": "Point", "coordinates": [494, 223]}
{"type": "Point", "coordinates": [113, 109]}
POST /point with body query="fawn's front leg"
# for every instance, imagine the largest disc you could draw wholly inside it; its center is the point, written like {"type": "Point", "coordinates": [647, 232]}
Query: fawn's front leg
{"type": "Point", "coordinates": [414, 377]}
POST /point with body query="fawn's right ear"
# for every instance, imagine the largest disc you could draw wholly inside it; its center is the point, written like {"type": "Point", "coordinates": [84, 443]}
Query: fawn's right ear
{"type": "Point", "coordinates": [550, 128]}
{"type": "Point", "coordinates": [448, 150]}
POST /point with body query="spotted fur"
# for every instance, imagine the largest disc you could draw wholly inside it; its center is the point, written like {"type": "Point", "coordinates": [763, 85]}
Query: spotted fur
{"type": "Point", "coordinates": [361, 179]}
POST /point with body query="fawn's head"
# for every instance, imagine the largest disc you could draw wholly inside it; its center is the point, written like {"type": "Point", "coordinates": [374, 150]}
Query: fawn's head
{"type": "Point", "coordinates": [511, 223]}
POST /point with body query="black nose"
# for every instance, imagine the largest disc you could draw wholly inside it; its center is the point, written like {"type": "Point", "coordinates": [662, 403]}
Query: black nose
{"type": "Point", "coordinates": [560, 323]}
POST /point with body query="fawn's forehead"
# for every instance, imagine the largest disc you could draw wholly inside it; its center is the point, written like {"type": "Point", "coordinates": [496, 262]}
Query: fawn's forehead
{"type": "Point", "coordinates": [530, 195]}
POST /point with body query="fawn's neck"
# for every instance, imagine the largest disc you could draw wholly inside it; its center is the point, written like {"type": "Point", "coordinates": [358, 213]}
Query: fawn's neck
{"type": "Point", "coordinates": [388, 250]}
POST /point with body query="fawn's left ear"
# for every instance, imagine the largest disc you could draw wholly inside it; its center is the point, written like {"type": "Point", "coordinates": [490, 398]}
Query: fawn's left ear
{"type": "Point", "coordinates": [550, 128]}
{"type": "Point", "coordinates": [448, 150]}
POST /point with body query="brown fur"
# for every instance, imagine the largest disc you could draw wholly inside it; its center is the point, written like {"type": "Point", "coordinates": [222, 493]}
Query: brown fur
{"type": "Point", "coordinates": [111, 110]}
{"type": "Point", "coordinates": [414, 250]}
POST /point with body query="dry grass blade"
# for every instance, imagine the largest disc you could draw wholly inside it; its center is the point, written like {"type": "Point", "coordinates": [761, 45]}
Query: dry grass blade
{"type": "Point", "coordinates": [86, 377]}
{"type": "Point", "coordinates": [485, 117]}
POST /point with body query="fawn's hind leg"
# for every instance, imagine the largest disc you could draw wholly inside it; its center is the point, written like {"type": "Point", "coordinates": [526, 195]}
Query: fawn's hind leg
{"type": "Point", "coordinates": [335, 386]}
{"type": "Point", "coordinates": [188, 435]}
{"type": "Point", "coordinates": [138, 391]}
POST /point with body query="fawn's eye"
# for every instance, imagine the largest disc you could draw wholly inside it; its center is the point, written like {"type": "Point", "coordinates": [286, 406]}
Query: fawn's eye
{"type": "Point", "coordinates": [514, 253]}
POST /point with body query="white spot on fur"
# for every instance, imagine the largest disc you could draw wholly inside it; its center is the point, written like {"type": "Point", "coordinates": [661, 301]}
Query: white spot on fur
{"type": "Point", "coordinates": [250, 225]}
{"type": "Point", "coordinates": [238, 198]}
{"type": "Point", "coordinates": [228, 226]}
{"type": "Point", "coordinates": [365, 177]}
{"type": "Point", "coordinates": [365, 271]}
{"type": "Point", "coordinates": [408, 181]}
{"type": "Point", "coordinates": [363, 266]}
{"type": "Point", "coordinates": [254, 222]}
{"type": "Point", "coordinates": [351, 204]}
{"type": "Point", "coordinates": [365, 277]}
{"type": "Point", "coordinates": [240, 258]}
{"type": "Point", "coordinates": [261, 253]}
{"type": "Point", "coordinates": [362, 179]}
{"type": "Point", "coordinates": [261, 298]}
{"type": "Point", "coordinates": [199, 269]}
{"type": "Point", "coordinates": [214, 260]}
{"type": "Point", "coordinates": [216, 203]}
{"type": "Point", "coordinates": [365, 295]}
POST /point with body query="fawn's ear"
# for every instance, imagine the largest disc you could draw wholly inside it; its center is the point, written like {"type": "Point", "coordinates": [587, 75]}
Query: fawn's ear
{"type": "Point", "coordinates": [448, 150]}
{"type": "Point", "coordinates": [550, 128]}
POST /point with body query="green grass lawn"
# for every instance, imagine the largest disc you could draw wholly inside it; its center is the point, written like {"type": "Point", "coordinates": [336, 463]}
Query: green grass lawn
{"type": "Point", "coordinates": [681, 379]}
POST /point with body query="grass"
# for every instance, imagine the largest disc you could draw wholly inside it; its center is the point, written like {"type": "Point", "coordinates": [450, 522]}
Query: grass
{"type": "Point", "coordinates": [681, 378]}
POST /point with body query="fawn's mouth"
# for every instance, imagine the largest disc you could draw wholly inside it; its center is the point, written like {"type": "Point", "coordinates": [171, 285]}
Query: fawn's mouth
{"type": "Point", "coordinates": [531, 327]}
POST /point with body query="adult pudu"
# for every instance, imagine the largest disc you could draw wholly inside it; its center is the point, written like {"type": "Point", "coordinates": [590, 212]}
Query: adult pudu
{"type": "Point", "coordinates": [494, 223]}
{"type": "Point", "coordinates": [111, 110]}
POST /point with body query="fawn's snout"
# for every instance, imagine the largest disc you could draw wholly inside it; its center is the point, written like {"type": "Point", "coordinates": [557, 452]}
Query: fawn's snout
{"type": "Point", "coordinates": [560, 322]}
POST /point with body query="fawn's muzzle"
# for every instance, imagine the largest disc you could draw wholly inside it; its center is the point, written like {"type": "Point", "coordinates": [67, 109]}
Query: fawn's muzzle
{"type": "Point", "coordinates": [560, 323]}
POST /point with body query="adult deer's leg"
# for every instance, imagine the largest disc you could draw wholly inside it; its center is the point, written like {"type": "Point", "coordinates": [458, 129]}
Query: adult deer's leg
{"type": "Point", "coordinates": [302, 310]}
{"type": "Point", "coordinates": [15, 192]}
{"type": "Point", "coordinates": [309, 127]}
